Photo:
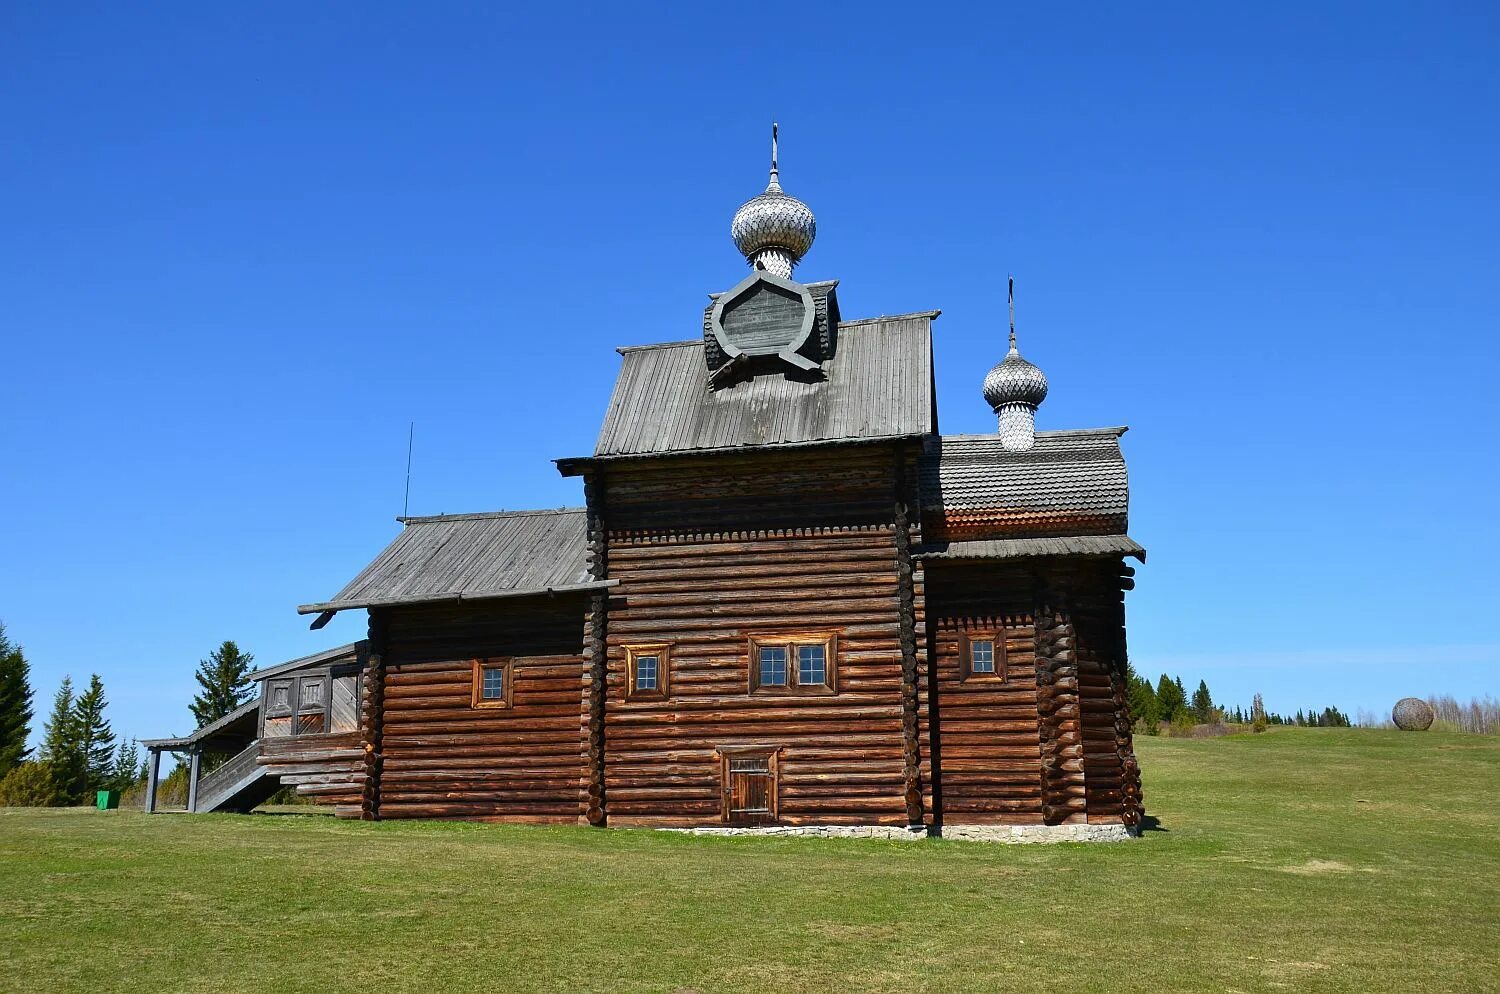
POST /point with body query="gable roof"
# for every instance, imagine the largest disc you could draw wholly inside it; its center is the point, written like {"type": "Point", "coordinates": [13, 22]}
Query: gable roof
{"type": "Point", "coordinates": [1068, 483]}
{"type": "Point", "coordinates": [457, 557]}
{"type": "Point", "coordinates": [877, 385]}
{"type": "Point", "coordinates": [341, 653]}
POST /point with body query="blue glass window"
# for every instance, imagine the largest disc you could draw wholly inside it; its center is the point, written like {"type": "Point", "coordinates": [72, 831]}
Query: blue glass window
{"type": "Point", "coordinates": [982, 656]}
{"type": "Point", "coordinates": [812, 665]}
{"type": "Point", "coordinates": [773, 666]}
{"type": "Point", "coordinates": [646, 672]}
{"type": "Point", "coordinates": [492, 684]}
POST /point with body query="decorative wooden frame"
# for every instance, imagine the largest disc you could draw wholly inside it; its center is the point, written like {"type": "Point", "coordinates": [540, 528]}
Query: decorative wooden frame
{"type": "Point", "coordinates": [507, 666]}
{"type": "Point", "coordinates": [727, 753]}
{"type": "Point", "coordinates": [663, 653]}
{"type": "Point", "coordinates": [790, 641]}
{"type": "Point", "coordinates": [966, 642]}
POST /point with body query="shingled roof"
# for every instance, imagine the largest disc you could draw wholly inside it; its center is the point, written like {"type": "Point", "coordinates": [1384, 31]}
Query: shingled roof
{"type": "Point", "coordinates": [1068, 483]}
{"type": "Point", "coordinates": [878, 385]}
{"type": "Point", "coordinates": [457, 557]}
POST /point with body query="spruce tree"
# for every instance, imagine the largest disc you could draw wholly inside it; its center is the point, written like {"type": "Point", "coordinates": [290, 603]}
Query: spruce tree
{"type": "Point", "coordinates": [1203, 703]}
{"type": "Point", "coordinates": [1143, 705]}
{"type": "Point", "coordinates": [96, 740]}
{"type": "Point", "coordinates": [15, 704]}
{"type": "Point", "coordinates": [128, 765]}
{"type": "Point", "coordinates": [222, 677]}
{"type": "Point", "coordinates": [61, 748]}
{"type": "Point", "coordinates": [1169, 698]}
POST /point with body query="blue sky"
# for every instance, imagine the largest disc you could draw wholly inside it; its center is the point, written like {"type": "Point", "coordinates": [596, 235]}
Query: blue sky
{"type": "Point", "coordinates": [242, 247]}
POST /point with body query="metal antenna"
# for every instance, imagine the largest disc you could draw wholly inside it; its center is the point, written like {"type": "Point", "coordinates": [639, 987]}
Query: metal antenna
{"type": "Point", "coordinates": [411, 432]}
{"type": "Point", "coordinates": [1010, 299]}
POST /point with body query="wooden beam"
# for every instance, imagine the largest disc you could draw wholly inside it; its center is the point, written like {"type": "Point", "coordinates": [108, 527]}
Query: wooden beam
{"type": "Point", "coordinates": [152, 776]}
{"type": "Point", "coordinates": [194, 765]}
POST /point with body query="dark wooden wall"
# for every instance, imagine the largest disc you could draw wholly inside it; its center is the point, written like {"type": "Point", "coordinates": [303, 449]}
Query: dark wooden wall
{"type": "Point", "coordinates": [327, 769]}
{"type": "Point", "coordinates": [1051, 743]}
{"type": "Point", "coordinates": [711, 550]}
{"type": "Point", "coordinates": [987, 739]}
{"type": "Point", "coordinates": [442, 758]}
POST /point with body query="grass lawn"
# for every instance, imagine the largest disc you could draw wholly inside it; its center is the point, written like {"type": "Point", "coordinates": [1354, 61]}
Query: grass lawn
{"type": "Point", "coordinates": [1302, 859]}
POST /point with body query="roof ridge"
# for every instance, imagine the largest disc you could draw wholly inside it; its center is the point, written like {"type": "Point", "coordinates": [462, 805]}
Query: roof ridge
{"type": "Point", "coordinates": [622, 349]}
{"type": "Point", "coordinates": [844, 322]}
{"type": "Point", "coordinates": [474, 515]}
{"type": "Point", "coordinates": [1111, 432]}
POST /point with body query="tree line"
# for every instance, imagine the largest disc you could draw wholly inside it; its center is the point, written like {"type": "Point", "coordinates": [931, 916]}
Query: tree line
{"type": "Point", "coordinates": [1169, 704]}
{"type": "Point", "coordinates": [79, 753]}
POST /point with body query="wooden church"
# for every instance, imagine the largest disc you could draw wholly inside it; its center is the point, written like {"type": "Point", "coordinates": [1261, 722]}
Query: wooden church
{"type": "Point", "coordinates": [789, 604]}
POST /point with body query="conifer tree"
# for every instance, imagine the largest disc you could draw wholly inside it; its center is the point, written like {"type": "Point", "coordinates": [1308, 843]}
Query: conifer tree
{"type": "Point", "coordinates": [61, 746]}
{"type": "Point", "coordinates": [1169, 698]}
{"type": "Point", "coordinates": [222, 677]}
{"type": "Point", "coordinates": [96, 740]}
{"type": "Point", "coordinates": [128, 765]}
{"type": "Point", "coordinates": [1203, 703]}
{"type": "Point", "coordinates": [15, 704]}
{"type": "Point", "coordinates": [1143, 705]}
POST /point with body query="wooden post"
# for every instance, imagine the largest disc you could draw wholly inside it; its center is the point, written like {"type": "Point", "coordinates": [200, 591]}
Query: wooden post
{"type": "Point", "coordinates": [193, 766]}
{"type": "Point", "coordinates": [152, 776]}
{"type": "Point", "coordinates": [595, 811]}
{"type": "Point", "coordinates": [906, 599]}
{"type": "Point", "coordinates": [372, 718]}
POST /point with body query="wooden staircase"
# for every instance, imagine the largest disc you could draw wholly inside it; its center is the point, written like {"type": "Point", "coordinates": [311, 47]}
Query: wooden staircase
{"type": "Point", "coordinates": [239, 785]}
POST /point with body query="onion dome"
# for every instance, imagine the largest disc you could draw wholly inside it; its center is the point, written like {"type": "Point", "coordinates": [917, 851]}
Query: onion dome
{"type": "Point", "coordinates": [1015, 381]}
{"type": "Point", "coordinates": [1014, 389]}
{"type": "Point", "coordinates": [774, 230]}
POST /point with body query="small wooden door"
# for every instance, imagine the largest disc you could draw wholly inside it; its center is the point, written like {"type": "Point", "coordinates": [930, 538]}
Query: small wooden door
{"type": "Point", "coordinates": [750, 787]}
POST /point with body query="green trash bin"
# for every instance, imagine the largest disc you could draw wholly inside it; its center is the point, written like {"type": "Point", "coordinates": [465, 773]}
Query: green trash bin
{"type": "Point", "coordinates": [107, 800]}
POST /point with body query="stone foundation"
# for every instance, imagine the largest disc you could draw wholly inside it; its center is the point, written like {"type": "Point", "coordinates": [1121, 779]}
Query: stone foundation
{"type": "Point", "coordinates": [1039, 833]}
{"type": "Point", "coordinates": [962, 833]}
{"type": "Point", "coordinates": [894, 832]}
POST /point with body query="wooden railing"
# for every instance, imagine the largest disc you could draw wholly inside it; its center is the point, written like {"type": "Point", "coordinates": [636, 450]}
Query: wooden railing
{"type": "Point", "coordinates": [214, 788]}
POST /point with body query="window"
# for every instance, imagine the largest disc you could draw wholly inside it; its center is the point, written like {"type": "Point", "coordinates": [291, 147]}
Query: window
{"type": "Point", "coordinates": [647, 672]}
{"type": "Point", "coordinates": [773, 666]}
{"type": "Point", "coordinates": [494, 683]}
{"type": "Point", "coordinates": [981, 656]}
{"type": "Point", "coordinates": [793, 664]}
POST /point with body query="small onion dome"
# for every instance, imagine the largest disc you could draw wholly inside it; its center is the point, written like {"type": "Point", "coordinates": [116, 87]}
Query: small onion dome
{"type": "Point", "coordinates": [1014, 381]}
{"type": "Point", "coordinates": [774, 230]}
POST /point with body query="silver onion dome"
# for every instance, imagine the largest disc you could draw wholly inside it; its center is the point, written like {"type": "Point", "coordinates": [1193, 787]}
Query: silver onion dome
{"type": "Point", "coordinates": [774, 230]}
{"type": "Point", "coordinates": [1015, 381]}
{"type": "Point", "coordinates": [1014, 389]}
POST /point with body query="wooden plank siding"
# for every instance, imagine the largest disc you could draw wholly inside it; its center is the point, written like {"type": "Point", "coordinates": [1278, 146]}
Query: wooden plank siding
{"type": "Point", "coordinates": [443, 758]}
{"type": "Point", "coordinates": [712, 551]}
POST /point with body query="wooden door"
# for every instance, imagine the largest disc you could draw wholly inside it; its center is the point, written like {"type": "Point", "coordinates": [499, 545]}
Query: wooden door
{"type": "Point", "coordinates": [750, 787]}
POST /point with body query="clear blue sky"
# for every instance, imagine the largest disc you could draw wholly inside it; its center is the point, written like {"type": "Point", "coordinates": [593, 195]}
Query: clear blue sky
{"type": "Point", "coordinates": [242, 246]}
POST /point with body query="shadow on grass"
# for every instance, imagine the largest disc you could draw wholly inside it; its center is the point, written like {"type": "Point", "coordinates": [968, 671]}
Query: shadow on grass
{"type": "Point", "coordinates": [1151, 823]}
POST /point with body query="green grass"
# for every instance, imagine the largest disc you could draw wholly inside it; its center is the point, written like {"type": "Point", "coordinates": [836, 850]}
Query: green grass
{"type": "Point", "coordinates": [1316, 859]}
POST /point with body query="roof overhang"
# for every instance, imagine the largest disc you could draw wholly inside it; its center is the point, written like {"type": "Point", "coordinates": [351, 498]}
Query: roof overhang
{"type": "Point", "coordinates": [1100, 546]}
{"type": "Point", "coordinates": [576, 465]}
{"type": "Point", "coordinates": [213, 730]}
{"type": "Point", "coordinates": [317, 658]}
{"type": "Point", "coordinates": [330, 607]}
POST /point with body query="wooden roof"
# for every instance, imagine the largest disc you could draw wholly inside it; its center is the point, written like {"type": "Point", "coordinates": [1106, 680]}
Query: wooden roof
{"type": "Point", "coordinates": [458, 557]}
{"type": "Point", "coordinates": [1068, 483]}
{"type": "Point", "coordinates": [877, 385]}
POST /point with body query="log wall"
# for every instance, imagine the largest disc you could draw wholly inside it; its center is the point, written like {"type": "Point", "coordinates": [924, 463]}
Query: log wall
{"type": "Point", "coordinates": [442, 758]}
{"type": "Point", "coordinates": [709, 551]}
{"type": "Point", "coordinates": [985, 741]}
{"type": "Point", "coordinates": [328, 769]}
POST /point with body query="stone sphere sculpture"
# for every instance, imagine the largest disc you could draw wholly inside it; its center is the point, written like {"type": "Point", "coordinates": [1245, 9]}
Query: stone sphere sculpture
{"type": "Point", "coordinates": [1412, 714]}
